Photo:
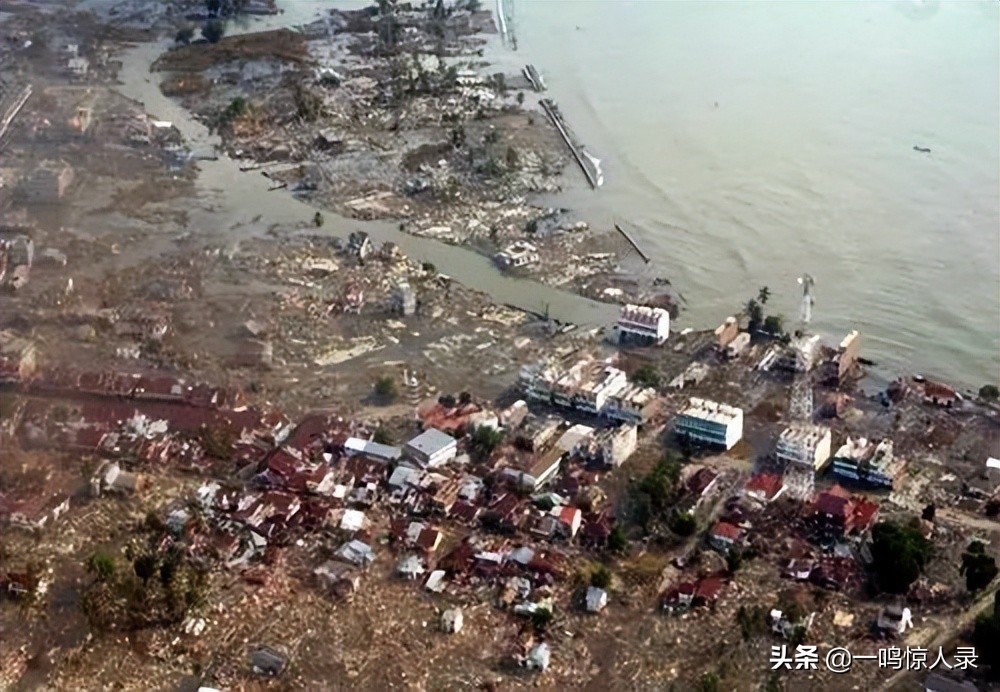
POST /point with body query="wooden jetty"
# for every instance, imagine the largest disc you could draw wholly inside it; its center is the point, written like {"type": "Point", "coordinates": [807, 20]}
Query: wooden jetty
{"type": "Point", "coordinates": [557, 121]}
{"type": "Point", "coordinates": [632, 242]}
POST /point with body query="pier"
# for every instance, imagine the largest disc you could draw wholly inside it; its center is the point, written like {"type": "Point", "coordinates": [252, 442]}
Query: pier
{"type": "Point", "coordinates": [587, 167]}
{"type": "Point", "coordinates": [534, 78]}
{"type": "Point", "coordinates": [632, 242]}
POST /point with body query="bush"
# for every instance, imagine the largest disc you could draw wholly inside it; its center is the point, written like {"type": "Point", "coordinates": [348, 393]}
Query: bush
{"type": "Point", "coordinates": [483, 440]}
{"type": "Point", "coordinates": [752, 621]}
{"type": "Point", "coordinates": [184, 34]}
{"type": "Point", "coordinates": [647, 376]}
{"type": "Point", "coordinates": [101, 565]}
{"type": "Point", "coordinates": [660, 484]}
{"type": "Point", "coordinates": [600, 577]}
{"type": "Point", "coordinates": [774, 324]}
{"type": "Point", "coordinates": [989, 392]}
{"type": "Point", "coordinates": [429, 267]}
{"type": "Point", "coordinates": [979, 568]}
{"type": "Point", "coordinates": [385, 387]}
{"type": "Point", "coordinates": [900, 553]}
{"type": "Point", "coordinates": [541, 619]}
{"type": "Point", "coordinates": [683, 524]}
{"type": "Point", "coordinates": [213, 31]}
{"type": "Point", "coordinates": [617, 540]}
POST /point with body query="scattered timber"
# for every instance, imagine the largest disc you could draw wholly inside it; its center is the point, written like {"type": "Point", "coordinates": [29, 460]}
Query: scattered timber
{"type": "Point", "coordinates": [15, 108]}
{"type": "Point", "coordinates": [587, 166]}
{"type": "Point", "coordinates": [632, 242]}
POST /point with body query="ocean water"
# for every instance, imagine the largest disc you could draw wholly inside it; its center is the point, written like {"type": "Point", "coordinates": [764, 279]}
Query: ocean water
{"type": "Point", "coordinates": [751, 142]}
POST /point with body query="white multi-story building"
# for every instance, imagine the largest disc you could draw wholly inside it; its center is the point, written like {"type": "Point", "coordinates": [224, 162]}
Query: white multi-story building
{"type": "Point", "coordinates": [631, 404]}
{"type": "Point", "coordinates": [711, 423]}
{"type": "Point", "coordinates": [804, 444]}
{"type": "Point", "coordinates": [591, 386]}
{"type": "Point", "coordinates": [643, 325]}
{"type": "Point", "coordinates": [592, 394]}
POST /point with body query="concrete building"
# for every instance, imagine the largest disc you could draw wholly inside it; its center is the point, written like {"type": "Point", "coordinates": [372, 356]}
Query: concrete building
{"type": "Point", "coordinates": [726, 332]}
{"type": "Point", "coordinates": [590, 386]}
{"type": "Point", "coordinates": [619, 444]}
{"type": "Point", "coordinates": [431, 448]}
{"type": "Point", "coordinates": [633, 404]}
{"type": "Point", "coordinates": [863, 462]}
{"type": "Point", "coordinates": [643, 326]}
{"type": "Point", "coordinates": [804, 444]}
{"type": "Point", "coordinates": [48, 183]}
{"type": "Point", "coordinates": [847, 354]}
{"type": "Point", "coordinates": [708, 422]}
{"type": "Point", "coordinates": [538, 471]}
{"type": "Point", "coordinates": [78, 67]}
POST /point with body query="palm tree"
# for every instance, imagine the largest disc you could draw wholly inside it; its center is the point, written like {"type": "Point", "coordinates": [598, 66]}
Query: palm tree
{"type": "Point", "coordinates": [763, 294]}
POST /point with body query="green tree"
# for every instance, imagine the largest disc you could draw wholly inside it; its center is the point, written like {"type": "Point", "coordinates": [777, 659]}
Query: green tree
{"type": "Point", "coordinates": [483, 440]}
{"type": "Point", "coordinates": [763, 294]}
{"type": "Point", "coordinates": [213, 31]}
{"type": "Point", "coordinates": [144, 567]}
{"type": "Point", "coordinates": [213, 6]}
{"type": "Point", "coordinates": [660, 484]}
{"type": "Point", "coordinates": [617, 540]}
{"type": "Point", "coordinates": [979, 568]}
{"type": "Point", "coordinates": [899, 553]}
{"type": "Point", "coordinates": [600, 576]}
{"type": "Point", "coordinates": [318, 219]}
{"type": "Point", "coordinates": [429, 267]}
{"type": "Point", "coordinates": [541, 619]}
{"type": "Point", "coordinates": [101, 565]}
{"type": "Point", "coordinates": [520, 98]}
{"type": "Point", "coordinates": [382, 437]}
{"type": "Point", "coordinates": [646, 375]}
{"type": "Point", "coordinates": [683, 523]}
{"type": "Point", "coordinates": [754, 313]}
{"type": "Point", "coordinates": [708, 682]}
{"type": "Point", "coordinates": [458, 136]}
{"type": "Point", "coordinates": [385, 387]}
{"type": "Point", "coordinates": [986, 637]}
{"type": "Point", "coordinates": [774, 324]}
{"type": "Point", "coordinates": [989, 392]}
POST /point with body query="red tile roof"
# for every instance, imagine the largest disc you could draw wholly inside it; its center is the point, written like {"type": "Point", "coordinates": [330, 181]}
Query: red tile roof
{"type": "Point", "coordinates": [726, 530]}
{"type": "Point", "coordinates": [767, 484]}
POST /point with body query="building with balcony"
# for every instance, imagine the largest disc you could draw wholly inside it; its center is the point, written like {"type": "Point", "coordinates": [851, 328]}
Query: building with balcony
{"type": "Point", "coordinates": [711, 423]}
{"type": "Point", "coordinates": [804, 444]}
{"type": "Point", "coordinates": [643, 326]}
{"type": "Point", "coordinates": [863, 462]}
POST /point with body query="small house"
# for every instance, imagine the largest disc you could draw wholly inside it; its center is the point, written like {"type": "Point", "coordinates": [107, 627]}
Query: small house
{"type": "Point", "coordinates": [596, 599]}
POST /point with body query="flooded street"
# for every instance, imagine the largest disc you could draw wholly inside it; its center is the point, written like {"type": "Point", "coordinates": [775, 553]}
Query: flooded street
{"type": "Point", "coordinates": [239, 203]}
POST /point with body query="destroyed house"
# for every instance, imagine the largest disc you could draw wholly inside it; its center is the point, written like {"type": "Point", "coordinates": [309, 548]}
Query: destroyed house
{"type": "Point", "coordinates": [764, 487]}
{"type": "Point", "coordinates": [937, 394]}
{"type": "Point", "coordinates": [699, 593]}
{"type": "Point", "coordinates": [835, 513]}
{"type": "Point", "coordinates": [701, 483]}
